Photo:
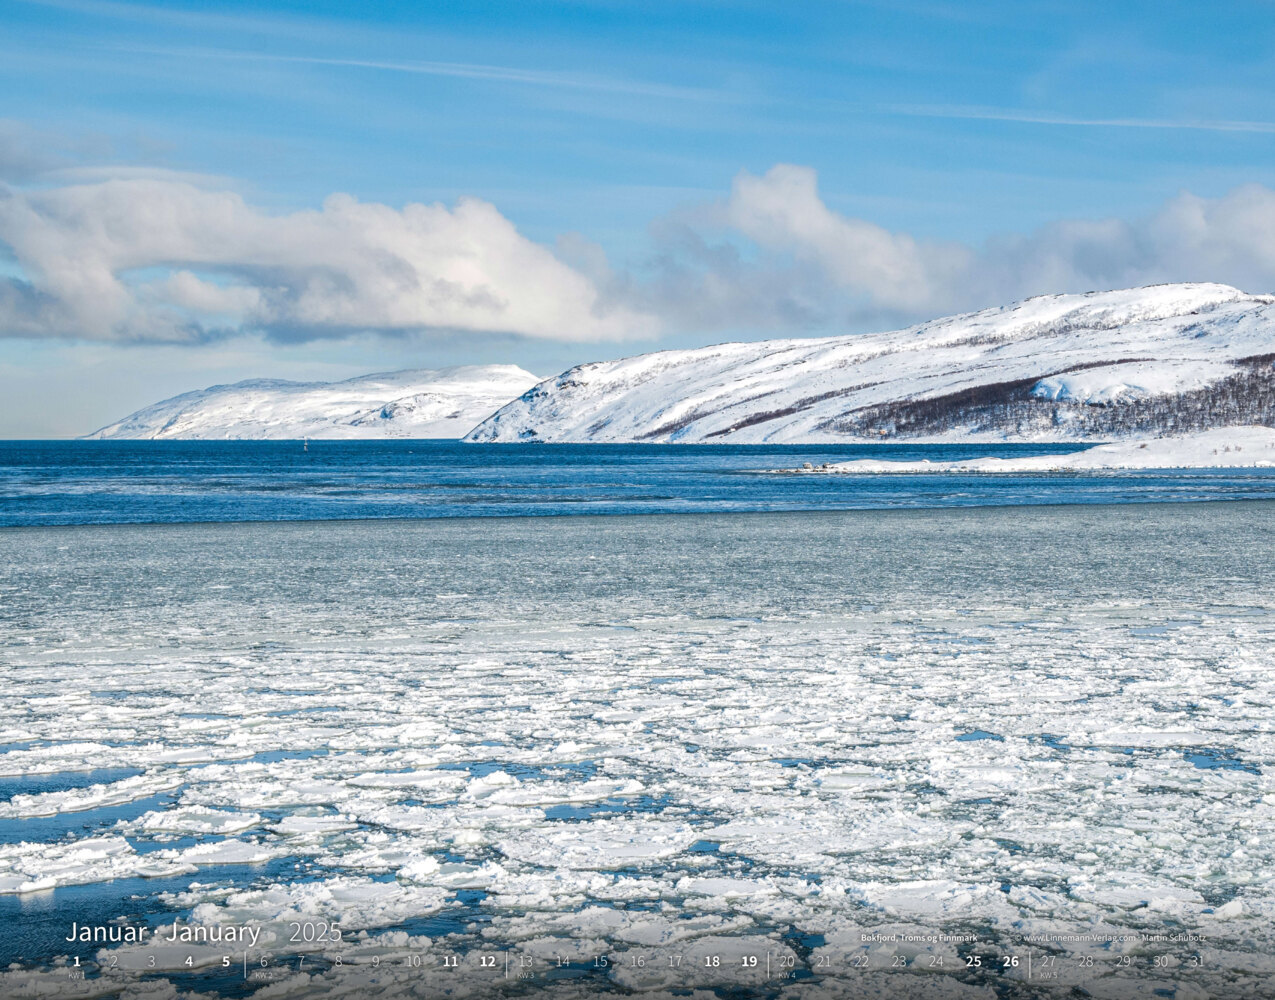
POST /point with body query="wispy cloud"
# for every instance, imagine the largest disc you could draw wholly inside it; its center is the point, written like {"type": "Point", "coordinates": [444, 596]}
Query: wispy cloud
{"type": "Point", "coordinates": [24, 152]}
{"type": "Point", "coordinates": [125, 172]}
{"type": "Point", "coordinates": [120, 10]}
{"type": "Point", "coordinates": [976, 113]}
{"type": "Point", "coordinates": [330, 33]}
{"type": "Point", "coordinates": [468, 71]}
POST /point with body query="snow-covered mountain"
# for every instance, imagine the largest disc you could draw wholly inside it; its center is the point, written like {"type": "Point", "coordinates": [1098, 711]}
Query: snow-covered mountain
{"type": "Point", "coordinates": [1143, 361]}
{"type": "Point", "coordinates": [416, 404]}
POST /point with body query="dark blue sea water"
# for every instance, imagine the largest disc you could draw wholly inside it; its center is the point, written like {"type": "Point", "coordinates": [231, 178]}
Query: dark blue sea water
{"type": "Point", "coordinates": [99, 482]}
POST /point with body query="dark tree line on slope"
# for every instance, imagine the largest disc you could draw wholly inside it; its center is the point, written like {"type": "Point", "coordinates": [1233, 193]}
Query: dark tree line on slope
{"type": "Point", "coordinates": [1247, 397]}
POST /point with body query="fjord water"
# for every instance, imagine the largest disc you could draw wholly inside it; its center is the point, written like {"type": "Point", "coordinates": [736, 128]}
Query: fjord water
{"type": "Point", "coordinates": [101, 482]}
{"type": "Point", "coordinates": [721, 734]}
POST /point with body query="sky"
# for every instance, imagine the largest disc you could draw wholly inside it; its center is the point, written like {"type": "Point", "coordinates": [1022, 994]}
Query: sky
{"type": "Point", "coordinates": [195, 193]}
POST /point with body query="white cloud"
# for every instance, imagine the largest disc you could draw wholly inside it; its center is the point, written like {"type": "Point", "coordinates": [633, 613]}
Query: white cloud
{"type": "Point", "coordinates": [157, 259]}
{"type": "Point", "coordinates": [774, 255]}
{"type": "Point", "coordinates": [783, 211]}
{"type": "Point", "coordinates": [1229, 239]}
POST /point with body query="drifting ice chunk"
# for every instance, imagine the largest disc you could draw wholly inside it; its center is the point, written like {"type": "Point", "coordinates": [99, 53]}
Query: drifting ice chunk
{"type": "Point", "coordinates": [115, 793]}
{"type": "Point", "coordinates": [601, 844]}
{"type": "Point", "coordinates": [31, 867]}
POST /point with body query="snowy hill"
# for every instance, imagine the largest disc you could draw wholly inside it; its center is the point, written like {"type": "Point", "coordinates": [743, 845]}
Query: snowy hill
{"type": "Point", "coordinates": [418, 404]}
{"type": "Point", "coordinates": [1138, 362]}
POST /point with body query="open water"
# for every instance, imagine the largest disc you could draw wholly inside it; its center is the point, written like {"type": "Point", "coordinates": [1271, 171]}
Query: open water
{"type": "Point", "coordinates": [100, 482]}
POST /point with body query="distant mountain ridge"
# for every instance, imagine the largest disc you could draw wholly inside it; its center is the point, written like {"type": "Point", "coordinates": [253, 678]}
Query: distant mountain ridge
{"type": "Point", "coordinates": [1142, 362]}
{"type": "Point", "coordinates": [442, 403]}
{"type": "Point", "coordinates": [1136, 362]}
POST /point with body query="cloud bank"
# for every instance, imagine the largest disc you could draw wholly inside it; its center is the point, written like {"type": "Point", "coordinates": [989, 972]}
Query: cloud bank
{"type": "Point", "coordinates": [773, 251]}
{"type": "Point", "coordinates": [147, 256]}
{"type": "Point", "coordinates": [153, 259]}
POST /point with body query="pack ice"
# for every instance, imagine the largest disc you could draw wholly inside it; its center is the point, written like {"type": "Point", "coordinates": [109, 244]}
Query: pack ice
{"type": "Point", "coordinates": [844, 745]}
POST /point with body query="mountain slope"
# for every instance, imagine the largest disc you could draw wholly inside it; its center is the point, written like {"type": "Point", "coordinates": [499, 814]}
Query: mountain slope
{"type": "Point", "coordinates": [1057, 367]}
{"type": "Point", "coordinates": [419, 404]}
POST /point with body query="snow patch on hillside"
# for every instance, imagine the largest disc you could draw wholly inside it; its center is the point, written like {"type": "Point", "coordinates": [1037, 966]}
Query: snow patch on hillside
{"type": "Point", "coordinates": [1225, 447]}
{"type": "Point", "coordinates": [1109, 384]}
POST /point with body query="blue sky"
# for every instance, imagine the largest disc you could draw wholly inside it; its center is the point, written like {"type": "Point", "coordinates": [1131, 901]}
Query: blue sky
{"type": "Point", "coordinates": [627, 153]}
